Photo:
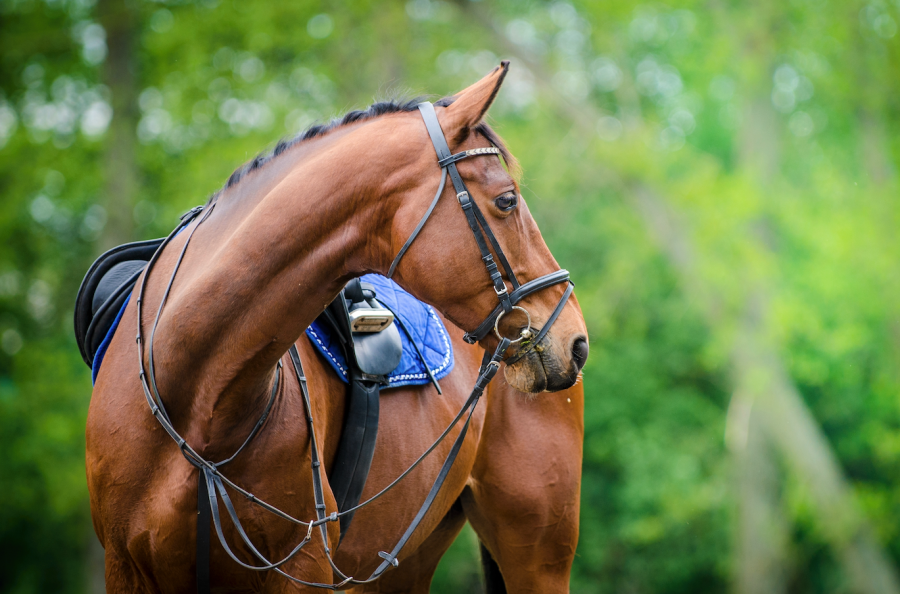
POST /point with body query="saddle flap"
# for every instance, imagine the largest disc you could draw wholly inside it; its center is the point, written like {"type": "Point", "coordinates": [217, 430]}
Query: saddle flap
{"type": "Point", "coordinates": [105, 287]}
{"type": "Point", "coordinates": [113, 280]}
{"type": "Point", "coordinates": [378, 353]}
{"type": "Point", "coordinates": [377, 349]}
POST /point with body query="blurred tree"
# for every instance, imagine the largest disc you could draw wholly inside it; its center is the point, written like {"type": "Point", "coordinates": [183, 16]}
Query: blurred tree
{"type": "Point", "coordinates": [683, 159]}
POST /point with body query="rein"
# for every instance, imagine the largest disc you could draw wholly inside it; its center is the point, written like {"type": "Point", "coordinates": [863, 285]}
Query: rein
{"type": "Point", "coordinates": [211, 482]}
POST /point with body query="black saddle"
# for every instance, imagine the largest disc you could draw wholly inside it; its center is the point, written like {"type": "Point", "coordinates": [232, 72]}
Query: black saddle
{"type": "Point", "coordinates": [105, 287]}
{"type": "Point", "coordinates": [365, 330]}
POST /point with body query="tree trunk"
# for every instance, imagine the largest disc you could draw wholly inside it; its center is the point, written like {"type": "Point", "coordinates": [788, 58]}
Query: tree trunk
{"type": "Point", "coordinates": [121, 172]}
{"type": "Point", "coordinates": [119, 75]}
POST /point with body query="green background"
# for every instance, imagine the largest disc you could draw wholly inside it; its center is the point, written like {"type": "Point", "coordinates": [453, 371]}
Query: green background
{"type": "Point", "coordinates": [719, 177]}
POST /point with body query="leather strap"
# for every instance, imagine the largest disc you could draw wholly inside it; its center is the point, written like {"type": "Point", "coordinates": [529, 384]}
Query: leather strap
{"type": "Point", "coordinates": [462, 195]}
{"type": "Point", "coordinates": [203, 528]}
{"type": "Point", "coordinates": [489, 368]}
{"type": "Point", "coordinates": [318, 492]}
{"type": "Point", "coordinates": [495, 244]}
{"type": "Point", "coordinates": [421, 224]}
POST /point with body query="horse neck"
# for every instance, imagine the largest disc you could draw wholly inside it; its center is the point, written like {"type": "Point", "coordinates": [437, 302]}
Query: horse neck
{"type": "Point", "coordinates": [259, 270]}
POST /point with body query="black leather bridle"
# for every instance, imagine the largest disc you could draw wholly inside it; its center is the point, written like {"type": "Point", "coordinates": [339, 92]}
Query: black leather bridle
{"type": "Point", "coordinates": [483, 234]}
{"type": "Point", "coordinates": [212, 482]}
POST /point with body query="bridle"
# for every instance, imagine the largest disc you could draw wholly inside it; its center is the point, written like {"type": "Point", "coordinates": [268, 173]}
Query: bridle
{"type": "Point", "coordinates": [483, 234]}
{"type": "Point", "coordinates": [211, 485]}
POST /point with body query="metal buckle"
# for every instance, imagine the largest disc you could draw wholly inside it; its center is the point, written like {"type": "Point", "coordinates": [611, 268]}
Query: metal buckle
{"type": "Point", "coordinates": [460, 195]}
{"type": "Point", "coordinates": [523, 334]}
{"type": "Point", "coordinates": [502, 292]}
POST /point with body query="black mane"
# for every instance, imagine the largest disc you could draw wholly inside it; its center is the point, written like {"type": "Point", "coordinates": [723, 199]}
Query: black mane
{"type": "Point", "coordinates": [373, 111]}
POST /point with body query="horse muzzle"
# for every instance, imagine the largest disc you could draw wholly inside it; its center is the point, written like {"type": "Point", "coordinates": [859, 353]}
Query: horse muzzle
{"type": "Point", "coordinates": [549, 366]}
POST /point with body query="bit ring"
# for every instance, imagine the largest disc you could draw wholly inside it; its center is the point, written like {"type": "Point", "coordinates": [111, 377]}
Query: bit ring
{"type": "Point", "coordinates": [522, 334]}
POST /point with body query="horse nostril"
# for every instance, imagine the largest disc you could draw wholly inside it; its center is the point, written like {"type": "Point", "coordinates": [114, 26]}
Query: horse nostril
{"type": "Point", "coordinates": [580, 351]}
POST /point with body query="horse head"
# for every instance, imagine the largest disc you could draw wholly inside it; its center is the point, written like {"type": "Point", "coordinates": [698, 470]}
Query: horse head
{"type": "Point", "coordinates": [446, 264]}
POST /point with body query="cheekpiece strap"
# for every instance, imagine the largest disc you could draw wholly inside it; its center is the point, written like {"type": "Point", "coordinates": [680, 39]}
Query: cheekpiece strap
{"type": "Point", "coordinates": [448, 161]}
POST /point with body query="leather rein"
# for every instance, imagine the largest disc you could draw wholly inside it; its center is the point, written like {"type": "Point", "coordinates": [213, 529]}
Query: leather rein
{"type": "Point", "coordinates": [212, 482]}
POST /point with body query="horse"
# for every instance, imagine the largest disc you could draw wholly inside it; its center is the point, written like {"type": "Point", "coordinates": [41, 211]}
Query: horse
{"type": "Point", "coordinates": [287, 232]}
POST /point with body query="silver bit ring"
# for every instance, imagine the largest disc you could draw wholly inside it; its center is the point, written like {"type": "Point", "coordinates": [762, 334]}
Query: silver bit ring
{"type": "Point", "coordinates": [523, 334]}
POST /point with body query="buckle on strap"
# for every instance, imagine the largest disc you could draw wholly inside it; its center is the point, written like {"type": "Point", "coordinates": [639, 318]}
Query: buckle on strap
{"type": "Point", "coordinates": [191, 213]}
{"type": "Point", "coordinates": [389, 558]}
{"type": "Point", "coordinates": [502, 294]}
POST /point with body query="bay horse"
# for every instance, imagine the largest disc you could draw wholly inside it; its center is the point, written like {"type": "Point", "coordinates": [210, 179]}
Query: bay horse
{"type": "Point", "coordinates": [286, 234]}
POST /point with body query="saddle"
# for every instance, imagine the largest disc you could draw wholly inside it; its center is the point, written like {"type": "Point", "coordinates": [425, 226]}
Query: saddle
{"type": "Point", "coordinates": [364, 330]}
{"type": "Point", "coordinates": [372, 349]}
{"type": "Point", "coordinates": [105, 289]}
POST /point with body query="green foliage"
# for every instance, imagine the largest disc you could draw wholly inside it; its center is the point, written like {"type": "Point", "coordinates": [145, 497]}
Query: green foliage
{"type": "Point", "coordinates": [769, 129]}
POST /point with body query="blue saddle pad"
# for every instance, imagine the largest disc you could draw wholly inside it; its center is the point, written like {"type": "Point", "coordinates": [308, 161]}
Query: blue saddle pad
{"type": "Point", "coordinates": [101, 350]}
{"type": "Point", "coordinates": [419, 319]}
{"type": "Point", "coordinates": [422, 326]}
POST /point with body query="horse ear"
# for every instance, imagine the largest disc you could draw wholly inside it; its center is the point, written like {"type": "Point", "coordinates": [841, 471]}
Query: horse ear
{"type": "Point", "coordinates": [470, 104]}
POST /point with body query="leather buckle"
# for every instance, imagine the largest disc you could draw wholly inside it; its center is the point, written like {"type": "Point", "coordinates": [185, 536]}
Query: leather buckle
{"type": "Point", "coordinates": [191, 213]}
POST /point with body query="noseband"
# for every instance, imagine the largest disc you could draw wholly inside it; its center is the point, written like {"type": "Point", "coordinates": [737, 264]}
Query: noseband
{"type": "Point", "coordinates": [483, 234]}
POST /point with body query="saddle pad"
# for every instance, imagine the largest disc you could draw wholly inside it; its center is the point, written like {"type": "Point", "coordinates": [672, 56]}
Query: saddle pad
{"type": "Point", "coordinates": [419, 320]}
{"type": "Point", "coordinates": [421, 325]}
{"type": "Point", "coordinates": [101, 350]}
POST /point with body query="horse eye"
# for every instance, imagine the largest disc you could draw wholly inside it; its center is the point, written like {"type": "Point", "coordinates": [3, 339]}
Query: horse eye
{"type": "Point", "coordinates": [506, 201]}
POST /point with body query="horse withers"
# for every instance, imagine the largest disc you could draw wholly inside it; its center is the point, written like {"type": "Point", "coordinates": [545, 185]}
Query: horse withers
{"type": "Point", "coordinates": [275, 246]}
